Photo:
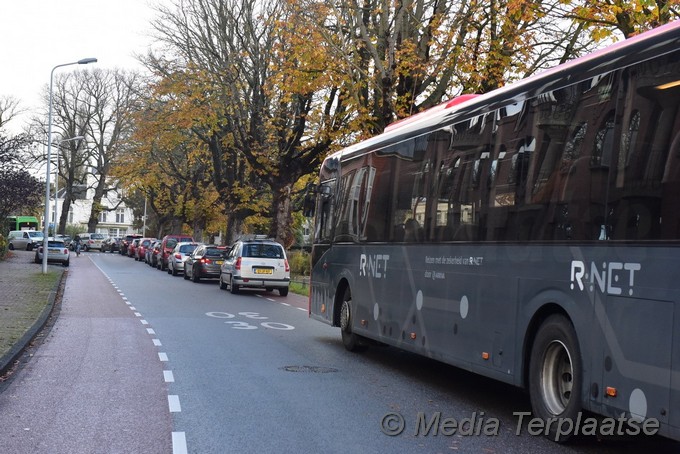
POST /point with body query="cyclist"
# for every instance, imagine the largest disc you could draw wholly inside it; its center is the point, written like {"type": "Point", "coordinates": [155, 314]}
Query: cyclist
{"type": "Point", "coordinates": [78, 242]}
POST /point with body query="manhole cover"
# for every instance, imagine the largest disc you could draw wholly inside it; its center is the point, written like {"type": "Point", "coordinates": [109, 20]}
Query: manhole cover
{"type": "Point", "coordinates": [312, 369]}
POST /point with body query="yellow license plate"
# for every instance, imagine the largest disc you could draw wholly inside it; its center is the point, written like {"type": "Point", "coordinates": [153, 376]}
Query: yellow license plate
{"type": "Point", "coordinates": [219, 262]}
{"type": "Point", "coordinates": [263, 271]}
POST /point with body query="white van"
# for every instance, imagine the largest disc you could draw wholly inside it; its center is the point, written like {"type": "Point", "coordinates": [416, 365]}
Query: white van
{"type": "Point", "coordinates": [92, 240]}
{"type": "Point", "coordinates": [24, 239]}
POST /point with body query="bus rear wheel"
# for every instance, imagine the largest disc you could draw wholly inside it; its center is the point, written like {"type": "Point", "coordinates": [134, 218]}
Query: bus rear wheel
{"type": "Point", "coordinates": [556, 374]}
{"type": "Point", "coordinates": [351, 341]}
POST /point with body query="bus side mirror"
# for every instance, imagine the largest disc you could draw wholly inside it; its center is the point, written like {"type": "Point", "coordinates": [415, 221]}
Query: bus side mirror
{"type": "Point", "coordinates": [308, 204]}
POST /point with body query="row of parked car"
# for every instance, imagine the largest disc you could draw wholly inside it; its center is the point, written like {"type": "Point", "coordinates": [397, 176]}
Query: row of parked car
{"type": "Point", "coordinates": [251, 262]}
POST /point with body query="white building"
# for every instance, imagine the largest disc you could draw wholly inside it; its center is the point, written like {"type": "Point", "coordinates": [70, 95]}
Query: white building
{"type": "Point", "coordinates": [115, 223]}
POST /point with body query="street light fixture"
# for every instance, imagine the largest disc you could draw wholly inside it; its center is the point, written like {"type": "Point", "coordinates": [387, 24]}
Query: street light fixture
{"type": "Point", "coordinates": [56, 184]}
{"type": "Point", "coordinates": [83, 61]}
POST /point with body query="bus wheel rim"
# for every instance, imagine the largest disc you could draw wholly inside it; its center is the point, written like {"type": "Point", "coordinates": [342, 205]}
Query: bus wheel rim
{"type": "Point", "coordinates": [344, 316]}
{"type": "Point", "coordinates": [557, 377]}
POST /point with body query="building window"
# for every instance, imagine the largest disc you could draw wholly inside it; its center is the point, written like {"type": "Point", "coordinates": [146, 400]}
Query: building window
{"type": "Point", "coordinates": [102, 216]}
{"type": "Point", "coordinates": [120, 216]}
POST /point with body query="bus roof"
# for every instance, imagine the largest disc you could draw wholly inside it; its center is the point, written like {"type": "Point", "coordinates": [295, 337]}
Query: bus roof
{"type": "Point", "coordinates": [665, 38]}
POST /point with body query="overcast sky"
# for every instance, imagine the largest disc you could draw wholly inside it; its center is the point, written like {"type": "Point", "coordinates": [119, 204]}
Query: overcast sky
{"type": "Point", "coordinates": [37, 35]}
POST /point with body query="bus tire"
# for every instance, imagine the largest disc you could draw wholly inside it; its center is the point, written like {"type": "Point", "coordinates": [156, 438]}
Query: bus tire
{"type": "Point", "coordinates": [556, 374]}
{"type": "Point", "coordinates": [352, 342]}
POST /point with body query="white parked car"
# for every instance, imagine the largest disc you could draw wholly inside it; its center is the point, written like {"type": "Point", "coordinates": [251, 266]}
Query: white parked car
{"type": "Point", "coordinates": [256, 263]}
{"type": "Point", "coordinates": [24, 239]}
{"type": "Point", "coordinates": [179, 255]}
{"type": "Point", "coordinates": [57, 251]}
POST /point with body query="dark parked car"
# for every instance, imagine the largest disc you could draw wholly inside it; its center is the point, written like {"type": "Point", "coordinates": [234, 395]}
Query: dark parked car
{"type": "Point", "coordinates": [125, 242]}
{"type": "Point", "coordinates": [156, 253]}
{"type": "Point", "coordinates": [111, 244]}
{"type": "Point", "coordinates": [204, 262]}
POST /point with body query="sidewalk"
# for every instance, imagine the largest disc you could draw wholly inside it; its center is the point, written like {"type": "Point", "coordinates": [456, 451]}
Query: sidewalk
{"type": "Point", "coordinates": [96, 381]}
{"type": "Point", "coordinates": [27, 300]}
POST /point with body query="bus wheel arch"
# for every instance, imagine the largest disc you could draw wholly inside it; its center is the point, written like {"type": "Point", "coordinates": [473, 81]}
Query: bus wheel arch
{"type": "Point", "coordinates": [343, 317]}
{"type": "Point", "coordinates": [554, 370]}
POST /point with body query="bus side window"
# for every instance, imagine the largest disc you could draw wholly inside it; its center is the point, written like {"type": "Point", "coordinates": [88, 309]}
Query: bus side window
{"type": "Point", "coordinates": [643, 196]}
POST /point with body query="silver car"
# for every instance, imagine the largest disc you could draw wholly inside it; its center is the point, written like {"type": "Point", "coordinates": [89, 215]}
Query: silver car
{"type": "Point", "coordinates": [24, 239]}
{"type": "Point", "coordinates": [57, 251]}
{"type": "Point", "coordinates": [179, 255]}
{"type": "Point", "coordinates": [256, 263]}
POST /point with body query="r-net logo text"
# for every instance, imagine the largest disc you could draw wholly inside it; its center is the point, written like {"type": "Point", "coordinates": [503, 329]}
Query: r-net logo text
{"type": "Point", "coordinates": [612, 278]}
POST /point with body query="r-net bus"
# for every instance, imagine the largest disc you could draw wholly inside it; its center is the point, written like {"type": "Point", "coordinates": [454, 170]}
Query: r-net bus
{"type": "Point", "coordinates": [530, 235]}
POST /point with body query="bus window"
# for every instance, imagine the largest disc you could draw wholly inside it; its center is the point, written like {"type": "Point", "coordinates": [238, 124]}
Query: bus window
{"type": "Point", "coordinates": [643, 202]}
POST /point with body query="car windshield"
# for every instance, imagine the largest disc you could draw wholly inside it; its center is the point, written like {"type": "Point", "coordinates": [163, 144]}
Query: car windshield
{"type": "Point", "coordinates": [35, 234]}
{"type": "Point", "coordinates": [187, 248]}
{"type": "Point", "coordinates": [97, 236]}
{"type": "Point", "coordinates": [272, 251]}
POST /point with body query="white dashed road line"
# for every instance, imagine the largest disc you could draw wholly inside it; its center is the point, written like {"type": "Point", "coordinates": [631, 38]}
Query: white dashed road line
{"type": "Point", "coordinates": [179, 443]}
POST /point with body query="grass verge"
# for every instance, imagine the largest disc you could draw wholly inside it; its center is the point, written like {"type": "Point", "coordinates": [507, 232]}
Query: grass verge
{"type": "Point", "coordinates": [299, 288]}
{"type": "Point", "coordinates": [22, 308]}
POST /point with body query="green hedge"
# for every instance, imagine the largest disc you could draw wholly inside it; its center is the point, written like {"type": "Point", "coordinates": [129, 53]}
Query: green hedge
{"type": "Point", "coordinates": [300, 264]}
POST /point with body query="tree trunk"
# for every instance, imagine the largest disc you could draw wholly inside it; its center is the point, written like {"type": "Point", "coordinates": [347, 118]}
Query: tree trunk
{"type": "Point", "coordinates": [281, 227]}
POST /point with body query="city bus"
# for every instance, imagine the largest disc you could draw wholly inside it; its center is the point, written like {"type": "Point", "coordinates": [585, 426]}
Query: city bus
{"type": "Point", "coordinates": [21, 223]}
{"type": "Point", "coordinates": [530, 234]}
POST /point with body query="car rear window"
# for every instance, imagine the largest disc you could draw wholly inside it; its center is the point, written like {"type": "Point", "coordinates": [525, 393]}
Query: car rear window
{"type": "Point", "coordinates": [215, 252]}
{"type": "Point", "coordinates": [97, 236]}
{"type": "Point", "coordinates": [35, 234]}
{"type": "Point", "coordinates": [272, 251]}
{"type": "Point", "coordinates": [187, 249]}
{"type": "Point", "coordinates": [55, 244]}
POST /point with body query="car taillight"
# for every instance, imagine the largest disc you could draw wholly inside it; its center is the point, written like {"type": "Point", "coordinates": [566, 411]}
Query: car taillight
{"type": "Point", "coordinates": [287, 266]}
{"type": "Point", "coordinates": [178, 256]}
{"type": "Point", "coordinates": [65, 251]}
{"type": "Point", "coordinates": [237, 265]}
{"type": "Point", "coordinates": [206, 261]}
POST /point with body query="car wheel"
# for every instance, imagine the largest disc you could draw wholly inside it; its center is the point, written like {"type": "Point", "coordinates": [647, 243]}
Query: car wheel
{"type": "Point", "coordinates": [67, 263]}
{"type": "Point", "coordinates": [283, 291]}
{"type": "Point", "coordinates": [186, 275]}
{"type": "Point", "coordinates": [233, 288]}
{"type": "Point", "coordinates": [223, 285]}
{"type": "Point", "coordinates": [269, 289]}
{"type": "Point", "coordinates": [194, 275]}
{"type": "Point", "coordinates": [174, 271]}
{"type": "Point", "coordinates": [11, 247]}
{"type": "Point", "coordinates": [29, 247]}
{"type": "Point", "coordinates": [37, 259]}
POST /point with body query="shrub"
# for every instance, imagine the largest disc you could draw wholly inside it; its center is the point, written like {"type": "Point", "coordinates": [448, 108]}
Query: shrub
{"type": "Point", "coordinates": [299, 262]}
{"type": "Point", "coordinates": [3, 247]}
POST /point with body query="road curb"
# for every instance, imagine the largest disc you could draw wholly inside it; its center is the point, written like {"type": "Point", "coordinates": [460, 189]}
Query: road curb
{"type": "Point", "coordinates": [8, 359]}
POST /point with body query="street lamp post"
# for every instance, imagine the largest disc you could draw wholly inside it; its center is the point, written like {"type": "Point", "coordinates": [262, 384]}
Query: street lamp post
{"type": "Point", "coordinates": [84, 61]}
{"type": "Point", "coordinates": [56, 184]}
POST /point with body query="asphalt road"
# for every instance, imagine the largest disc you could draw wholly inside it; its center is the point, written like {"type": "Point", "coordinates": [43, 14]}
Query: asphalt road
{"type": "Point", "coordinates": [140, 361]}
